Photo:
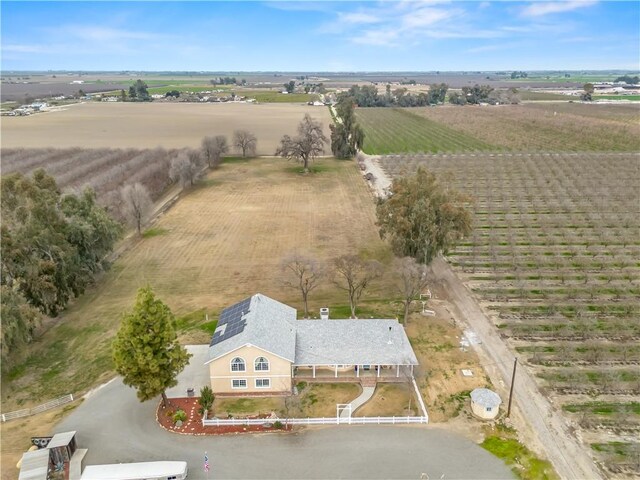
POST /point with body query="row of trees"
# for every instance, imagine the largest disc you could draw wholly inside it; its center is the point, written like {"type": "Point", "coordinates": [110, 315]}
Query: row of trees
{"type": "Point", "coordinates": [353, 275]}
{"type": "Point", "coordinates": [227, 81]}
{"type": "Point", "coordinates": [347, 137]}
{"type": "Point", "coordinates": [184, 168]}
{"type": "Point", "coordinates": [367, 96]}
{"type": "Point", "coordinates": [52, 247]}
{"type": "Point", "coordinates": [471, 95]}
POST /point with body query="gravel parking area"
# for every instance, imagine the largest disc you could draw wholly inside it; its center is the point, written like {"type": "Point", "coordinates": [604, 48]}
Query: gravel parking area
{"type": "Point", "coordinates": [116, 427]}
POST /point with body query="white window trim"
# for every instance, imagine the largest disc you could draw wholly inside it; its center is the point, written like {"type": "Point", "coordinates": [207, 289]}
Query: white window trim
{"type": "Point", "coordinates": [263, 379]}
{"type": "Point", "coordinates": [231, 365]}
{"type": "Point", "coordinates": [256, 361]}
{"type": "Point", "coordinates": [246, 384]}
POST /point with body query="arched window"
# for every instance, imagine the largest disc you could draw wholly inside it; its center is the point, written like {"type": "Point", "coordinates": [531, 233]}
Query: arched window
{"type": "Point", "coordinates": [261, 364]}
{"type": "Point", "coordinates": [237, 365]}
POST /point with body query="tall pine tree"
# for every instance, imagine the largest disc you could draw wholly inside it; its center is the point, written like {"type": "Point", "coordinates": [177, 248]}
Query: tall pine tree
{"type": "Point", "coordinates": [146, 351]}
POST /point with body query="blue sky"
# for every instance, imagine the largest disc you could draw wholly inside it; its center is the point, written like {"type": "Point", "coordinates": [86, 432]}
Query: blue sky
{"type": "Point", "coordinates": [321, 36]}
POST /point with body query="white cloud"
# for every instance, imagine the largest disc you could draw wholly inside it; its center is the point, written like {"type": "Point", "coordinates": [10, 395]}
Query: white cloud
{"type": "Point", "coordinates": [104, 34]}
{"type": "Point", "coordinates": [539, 9]}
{"type": "Point", "coordinates": [427, 16]}
{"type": "Point", "coordinates": [25, 48]}
{"type": "Point", "coordinates": [358, 17]}
{"type": "Point", "coordinates": [380, 37]}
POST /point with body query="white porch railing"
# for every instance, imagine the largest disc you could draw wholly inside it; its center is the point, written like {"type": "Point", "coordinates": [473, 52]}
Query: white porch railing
{"type": "Point", "coordinates": [40, 408]}
{"type": "Point", "coordinates": [218, 422]}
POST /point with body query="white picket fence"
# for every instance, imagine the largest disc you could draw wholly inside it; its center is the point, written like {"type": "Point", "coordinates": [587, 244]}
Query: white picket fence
{"type": "Point", "coordinates": [39, 409]}
{"type": "Point", "coordinates": [218, 422]}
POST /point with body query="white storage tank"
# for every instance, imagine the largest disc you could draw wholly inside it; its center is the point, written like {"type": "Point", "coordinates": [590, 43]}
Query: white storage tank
{"type": "Point", "coordinates": [485, 403]}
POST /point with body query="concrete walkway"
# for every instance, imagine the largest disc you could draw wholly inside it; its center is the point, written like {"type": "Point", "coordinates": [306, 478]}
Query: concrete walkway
{"type": "Point", "coordinates": [365, 396]}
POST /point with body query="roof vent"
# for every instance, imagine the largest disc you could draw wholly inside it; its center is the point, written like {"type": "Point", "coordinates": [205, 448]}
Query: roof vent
{"type": "Point", "coordinates": [390, 342]}
{"type": "Point", "coordinates": [324, 313]}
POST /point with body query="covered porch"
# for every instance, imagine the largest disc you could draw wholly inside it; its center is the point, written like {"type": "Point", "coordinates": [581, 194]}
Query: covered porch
{"type": "Point", "coordinates": [352, 373]}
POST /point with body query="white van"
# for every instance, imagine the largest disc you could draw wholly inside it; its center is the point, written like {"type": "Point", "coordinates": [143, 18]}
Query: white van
{"type": "Point", "coordinates": [137, 471]}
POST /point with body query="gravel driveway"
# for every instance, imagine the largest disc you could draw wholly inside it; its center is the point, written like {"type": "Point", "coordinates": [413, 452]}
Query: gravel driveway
{"type": "Point", "coordinates": [116, 427]}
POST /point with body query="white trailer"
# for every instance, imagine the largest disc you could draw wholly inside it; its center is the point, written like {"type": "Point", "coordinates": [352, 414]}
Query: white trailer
{"type": "Point", "coordinates": [137, 471]}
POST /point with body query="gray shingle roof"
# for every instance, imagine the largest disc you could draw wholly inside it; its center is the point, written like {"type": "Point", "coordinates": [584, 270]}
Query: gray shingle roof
{"type": "Point", "coordinates": [485, 397]}
{"type": "Point", "coordinates": [271, 325]}
{"type": "Point", "coordinates": [352, 342]}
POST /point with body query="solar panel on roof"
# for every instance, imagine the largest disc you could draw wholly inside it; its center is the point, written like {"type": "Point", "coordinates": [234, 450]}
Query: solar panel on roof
{"type": "Point", "coordinates": [231, 322]}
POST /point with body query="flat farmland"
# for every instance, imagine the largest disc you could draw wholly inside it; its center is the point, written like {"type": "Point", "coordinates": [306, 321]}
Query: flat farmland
{"type": "Point", "coordinates": [396, 130]}
{"type": "Point", "coordinates": [554, 258]}
{"type": "Point", "coordinates": [220, 243]}
{"type": "Point", "coordinates": [544, 127]}
{"type": "Point", "coordinates": [150, 125]}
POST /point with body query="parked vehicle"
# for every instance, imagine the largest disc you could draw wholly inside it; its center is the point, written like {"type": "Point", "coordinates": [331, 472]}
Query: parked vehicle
{"type": "Point", "coordinates": [137, 471]}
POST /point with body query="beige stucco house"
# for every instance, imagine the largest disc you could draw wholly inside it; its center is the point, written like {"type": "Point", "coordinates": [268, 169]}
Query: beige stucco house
{"type": "Point", "coordinates": [260, 348]}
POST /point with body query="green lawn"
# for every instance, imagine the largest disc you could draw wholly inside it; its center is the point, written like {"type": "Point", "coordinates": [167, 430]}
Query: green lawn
{"type": "Point", "coordinates": [629, 98]}
{"type": "Point", "coordinates": [525, 465]}
{"type": "Point", "coordinates": [393, 130]}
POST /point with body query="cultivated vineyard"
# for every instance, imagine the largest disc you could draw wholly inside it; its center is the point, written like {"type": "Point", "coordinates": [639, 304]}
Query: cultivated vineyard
{"type": "Point", "coordinates": [103, 170]}
{"type": "Point", "coordinates": [555, 258]}
{"type": "Point", "coordinates": [560, 127]}
{"type": "Point", "coordinates": [390, 130]}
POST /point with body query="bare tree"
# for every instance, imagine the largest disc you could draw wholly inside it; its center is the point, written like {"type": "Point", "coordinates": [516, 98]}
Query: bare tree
{"type": "Point", "coordinates": [185, 168]}
{"type": "Point", "coordinates": [303, 274]}
{"type": "Point", "coordinates": [354, 275]}
{"type": "Point", "coordinates": [307, 145]}
{"type": "Point", "coordinates": [245, 141]}
{"type": "Point", "coordinates": [214, 148]}
{"type": "Point", "coordinates": [413, 281]}
{"type": "Point", "coordinates": [137, 204]}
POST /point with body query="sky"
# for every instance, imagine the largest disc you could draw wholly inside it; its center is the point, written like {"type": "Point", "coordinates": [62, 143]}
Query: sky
{"type": "Point", "coordinates": [320, 35]}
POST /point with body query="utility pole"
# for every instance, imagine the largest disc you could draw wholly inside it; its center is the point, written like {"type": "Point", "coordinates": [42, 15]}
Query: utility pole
{"type": "Point", "coordinates": [513, 379]}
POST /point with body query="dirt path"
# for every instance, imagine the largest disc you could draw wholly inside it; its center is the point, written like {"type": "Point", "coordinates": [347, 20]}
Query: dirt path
{"type": "Point", "coordinates": [381, 181]}
{"type": "Point", "coordinates": [552, 434]}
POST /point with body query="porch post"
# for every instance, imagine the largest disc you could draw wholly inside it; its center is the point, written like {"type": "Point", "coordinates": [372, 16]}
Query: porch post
{"type": "Point", "coordinates": [314, 371]}
{"type": "Point", "coordinates": [397, 371]}
{"type": "Point", "coordinates": [379, 368]}
{"type": "Point", "coordinates": [336, 370]}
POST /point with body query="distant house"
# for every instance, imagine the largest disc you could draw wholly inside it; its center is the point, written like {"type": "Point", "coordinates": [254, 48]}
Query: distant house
{"type": "Point", "coordinates": [259, 348]}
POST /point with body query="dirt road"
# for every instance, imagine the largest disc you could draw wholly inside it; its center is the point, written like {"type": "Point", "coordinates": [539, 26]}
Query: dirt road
{"type": "Point", "coordinates": [548, 427]}
{"type": "Point", "coordinates": [560, 445]}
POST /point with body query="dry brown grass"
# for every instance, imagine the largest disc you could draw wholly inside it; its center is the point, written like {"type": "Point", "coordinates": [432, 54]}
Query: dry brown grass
{"type": "Point", "coordinates": [220, 243]}
{"type": "Point", "coordinates": [391, 400]}
{"type": "Point", "coordinates": [149, 125]}
{"type": "Point", "coordinates": [547, 127]}
{"type": "Point", "coordinates": [16, 436]}
{"type": "Point", "coordinates": [435, 341]}
{"type": "Point", "coordinates": [320, 399]}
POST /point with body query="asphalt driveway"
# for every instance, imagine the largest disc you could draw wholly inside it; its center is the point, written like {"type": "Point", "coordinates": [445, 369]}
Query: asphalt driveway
{"type": "Point", "coordinates": [116, 427]}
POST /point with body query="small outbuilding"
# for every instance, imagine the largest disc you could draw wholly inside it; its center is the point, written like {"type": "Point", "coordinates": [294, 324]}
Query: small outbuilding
{"type": "Point", "coordinates": [485, 403]}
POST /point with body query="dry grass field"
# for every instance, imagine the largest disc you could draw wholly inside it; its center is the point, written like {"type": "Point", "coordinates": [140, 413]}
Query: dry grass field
{"type": "Point", "coordinates": [544, 127]}
{"type": "Point", "coordinates": [222, 242]}
{"type": "Point", "coordinates": [149, 125]}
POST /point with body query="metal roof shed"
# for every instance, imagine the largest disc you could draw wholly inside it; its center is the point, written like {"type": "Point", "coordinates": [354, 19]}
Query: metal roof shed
{"type": "Point", "coordinates": [35, 465]}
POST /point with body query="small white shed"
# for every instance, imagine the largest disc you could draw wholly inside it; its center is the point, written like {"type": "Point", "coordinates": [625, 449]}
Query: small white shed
{"type": "Point", "coordinates": [485, 403]}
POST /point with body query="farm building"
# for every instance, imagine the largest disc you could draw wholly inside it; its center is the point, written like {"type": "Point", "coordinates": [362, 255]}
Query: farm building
{"type": "Point", "coordinates": [485, 403]}
{"type": "Point", "coordinates": [259, 348]}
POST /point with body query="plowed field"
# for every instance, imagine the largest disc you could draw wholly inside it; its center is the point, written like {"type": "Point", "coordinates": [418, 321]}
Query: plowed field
{"type": "Point", "coordinates": [149, 125]}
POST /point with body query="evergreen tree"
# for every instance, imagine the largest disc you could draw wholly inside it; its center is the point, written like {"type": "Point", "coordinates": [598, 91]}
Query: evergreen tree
{"type": "Point", "coordinates": [146, 351]}
{"type": "Point", "coordinates": [347, 137]}
{"type": "Point", "coordinates": [421, 217]}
